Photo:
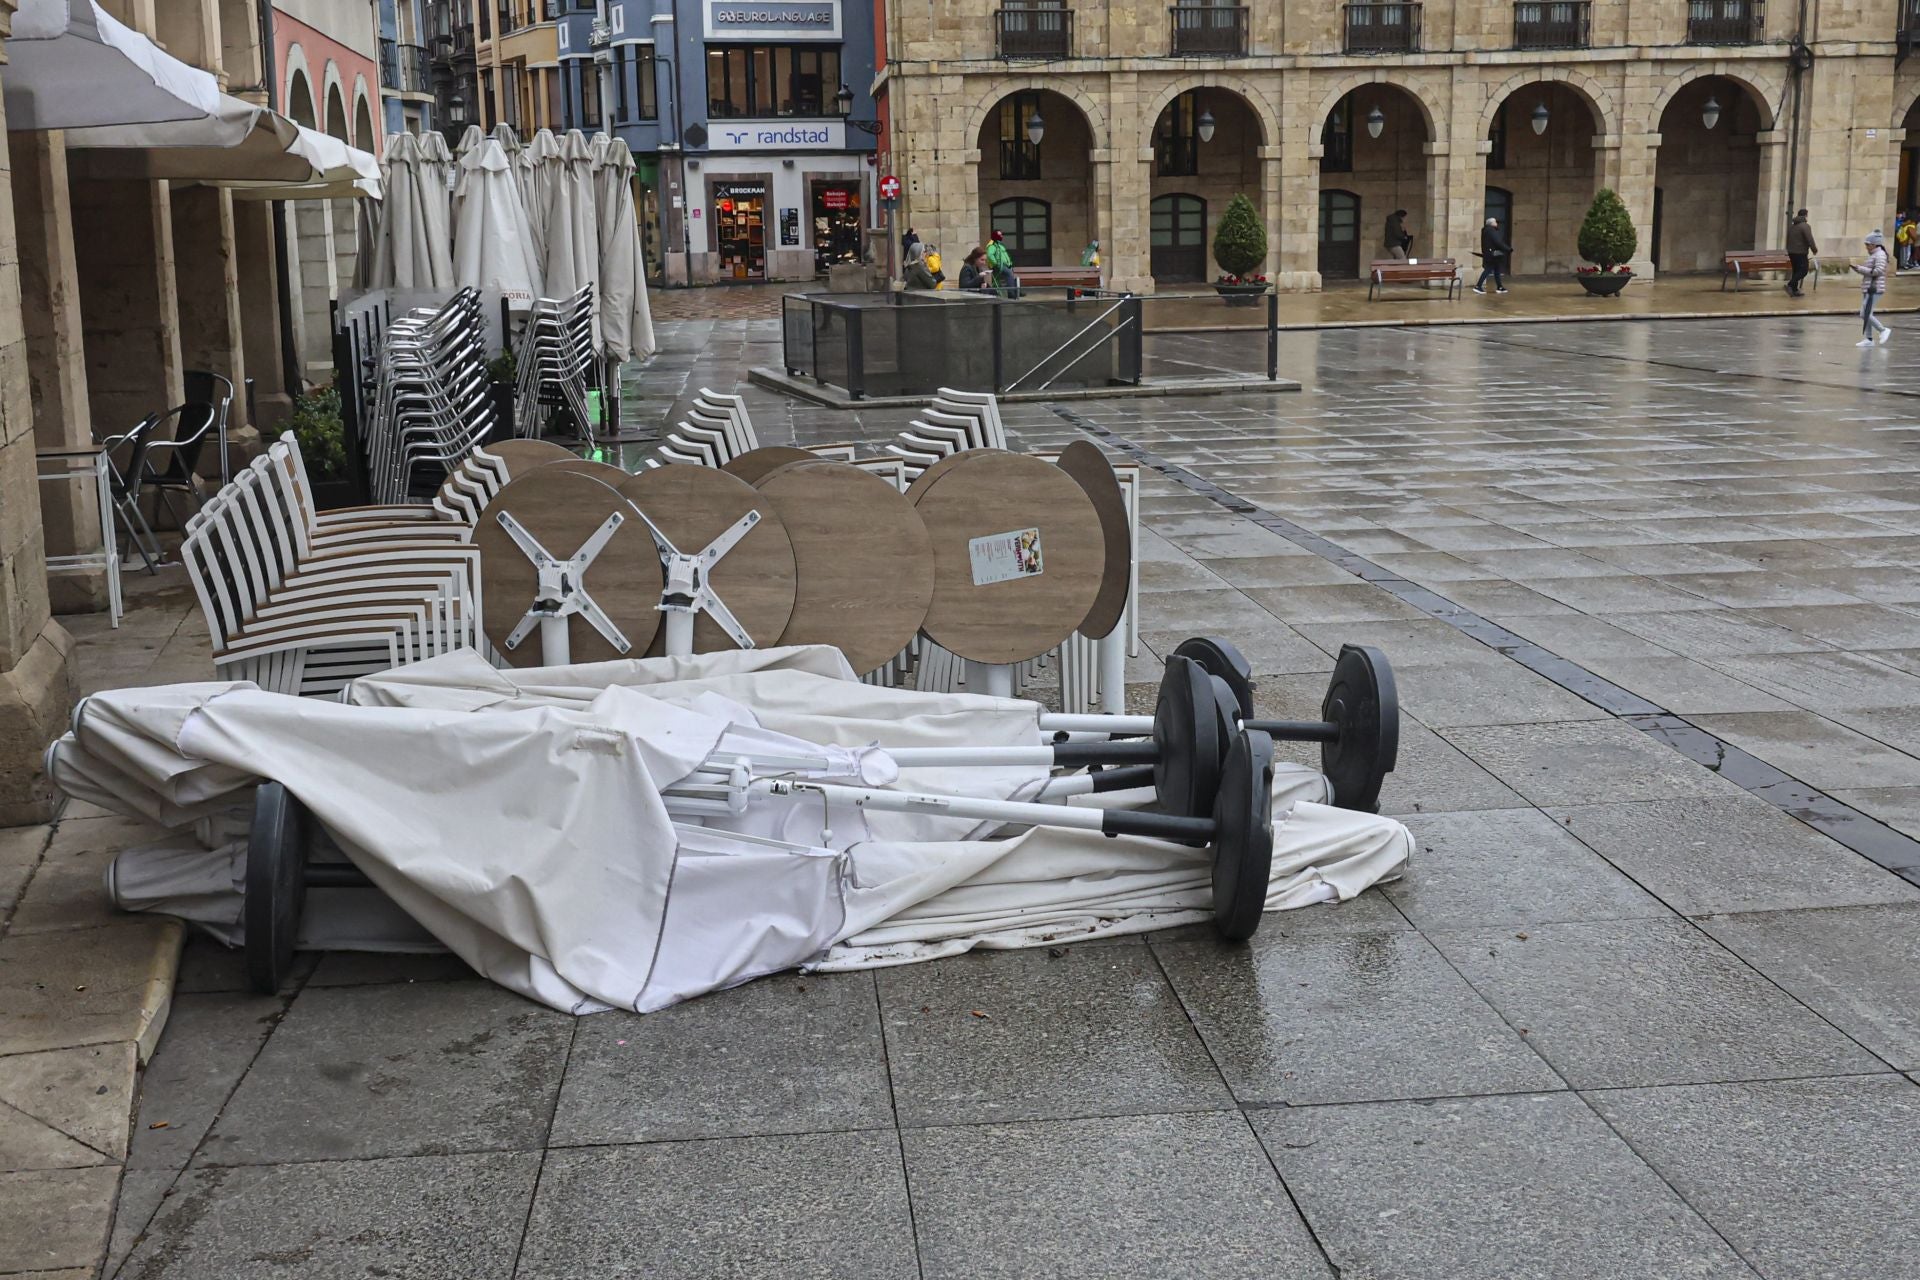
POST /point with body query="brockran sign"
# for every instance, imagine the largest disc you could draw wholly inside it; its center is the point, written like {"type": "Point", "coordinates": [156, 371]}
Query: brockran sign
{"type": "Point", "coordinates": [773, 19]}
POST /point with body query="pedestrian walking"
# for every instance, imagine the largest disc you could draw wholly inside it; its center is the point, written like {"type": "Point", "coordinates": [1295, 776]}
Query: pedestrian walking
{"type": "Point", "coordinates": [1493, 257]}
{"type": "Point", "coordinates": [1397, 241]}
{"type": "Point", "coordinates": [973, 272]}
{"type": "Point", "coordinates": [1800, 248]}
{"type": "Point", "coordinates": [1873, 283]}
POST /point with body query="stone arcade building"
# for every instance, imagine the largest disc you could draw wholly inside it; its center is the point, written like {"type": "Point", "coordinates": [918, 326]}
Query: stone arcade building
{"type": "Point", "coordinates": [1711, 118]}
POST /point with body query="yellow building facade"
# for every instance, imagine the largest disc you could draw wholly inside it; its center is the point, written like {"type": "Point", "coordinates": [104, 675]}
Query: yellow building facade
{"type": "Point", "coordinates": [1712, 119]}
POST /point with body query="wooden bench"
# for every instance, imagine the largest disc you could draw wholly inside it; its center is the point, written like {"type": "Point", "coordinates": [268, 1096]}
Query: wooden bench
{"type": "Point", "coordinates": [1058, 277]}
{"type": "Point", "coordinates": [1382, 272]}
{"type": "Point", "coordinates": [1741, 263]}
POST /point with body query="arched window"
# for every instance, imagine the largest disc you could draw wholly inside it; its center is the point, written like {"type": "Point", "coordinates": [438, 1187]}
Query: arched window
{"type": "Point", "coordinates": [1027, 226]}
{"type": "Point", "coordinates": [1339, 235]}
{"type": "Point", "coordinates": [1178, 238]}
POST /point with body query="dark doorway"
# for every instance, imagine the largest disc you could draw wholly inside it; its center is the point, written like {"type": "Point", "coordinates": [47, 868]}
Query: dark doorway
{"type": "Point", "coordinates": [1027, 228]}
{"type": "Point", "coordinates": [1179, 239]}
{"type": "Point", "coordinates": [1339, 235]}
{"type": "Point", "coordinates": [1500, 205]}
{"type": "Point", "coordinates": [1654, 257]}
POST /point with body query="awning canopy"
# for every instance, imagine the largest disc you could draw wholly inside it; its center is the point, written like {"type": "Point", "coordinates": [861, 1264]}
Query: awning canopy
{"type": "Point", "coordinates": [71, 65]}
{"type": "Point", "coordinates": [250, 148]}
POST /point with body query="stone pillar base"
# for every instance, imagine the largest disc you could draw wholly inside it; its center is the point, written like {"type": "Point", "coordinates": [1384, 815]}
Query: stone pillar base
{"type": "Point", "coordinates": [36, 699]}
{"type": "Point", "coordinates": [73, 592]}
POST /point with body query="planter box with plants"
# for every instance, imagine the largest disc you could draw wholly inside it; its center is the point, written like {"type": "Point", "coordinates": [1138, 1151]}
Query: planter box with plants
{"type": "Point", "coordinates": [1607, 240]}
{"type": "Point", "coordinates": [317, 425]}
{"type": "Point", "coordinates": [1240, 247]}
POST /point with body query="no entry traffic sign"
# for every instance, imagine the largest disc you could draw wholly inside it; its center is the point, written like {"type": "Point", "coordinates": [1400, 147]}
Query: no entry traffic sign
{"type": "Point", "coordinates": [889, 188]}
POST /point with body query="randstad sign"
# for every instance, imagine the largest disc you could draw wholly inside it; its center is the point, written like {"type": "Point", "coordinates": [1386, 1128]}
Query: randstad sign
{"type": "Point", "coordinates": [773, 19]}
{"type": "Point", "coordinates": [776, 135]}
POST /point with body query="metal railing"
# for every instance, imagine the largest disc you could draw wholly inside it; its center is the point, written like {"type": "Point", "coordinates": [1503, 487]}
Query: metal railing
{"type": "Point", "coordinates": [403, 67]}
{"type": "Point", "coordinates": [1726, 21]}
{"type": "Point", "coordinates": [1209, 31]}
{"type": "Point", "coordinates": [1908, 34]}
{"type": "Point", "coordinates": [1383, 28]}
{"type": "Point", "coordinates": [1033, 31]}
{"type": "Point", "coordinates": [1552, 24]}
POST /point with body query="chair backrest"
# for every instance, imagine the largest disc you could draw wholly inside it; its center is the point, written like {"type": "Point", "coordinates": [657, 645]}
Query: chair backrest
{"type": "Point", "coordinates": [128, 473]}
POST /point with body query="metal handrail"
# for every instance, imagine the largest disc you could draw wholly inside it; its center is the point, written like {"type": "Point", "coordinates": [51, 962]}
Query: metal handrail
{"type": "Point", "coordinates": [1033, 31]}
{"type": "Point", "coordinates": [1552, 24]}
{"type": "Point", "coordinates": [1374, 27]}
{"type": "Point", "coordinates": [1042, 361]}
{"type": "Point", "coordinates": [1726, 21]}
{"type": "Point", "coordinates": [1209, 30]}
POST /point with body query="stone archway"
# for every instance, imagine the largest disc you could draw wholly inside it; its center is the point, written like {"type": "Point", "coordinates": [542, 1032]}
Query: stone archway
{"type": "Point", "coordinates": [1369, 177]}
{"type": "Point", "coordinates": [1707, 178]}
{"type": "Point", "coordinates": [1546, 171]}
{"type": "Point", "coordinates": [1206, 150]}
{"type": "Point", "coordinates": [300, 100]}
{"type": "Point", "coordinates": [1042, 197]}
{"type": "Point", "coordinates": [337, 115]}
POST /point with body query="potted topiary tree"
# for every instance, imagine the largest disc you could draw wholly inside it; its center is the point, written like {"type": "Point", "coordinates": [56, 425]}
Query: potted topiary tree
{"type": "Point", "coordinates": [1607, 240]}
{"type": "Point", "coordinates": [1240, 247]}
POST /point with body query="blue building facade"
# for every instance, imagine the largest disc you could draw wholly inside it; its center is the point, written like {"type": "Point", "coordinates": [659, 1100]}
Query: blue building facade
{"type": "Point", "coordinates": [407, 103]}
{"type": "Point", "coordinates": [746, 118]}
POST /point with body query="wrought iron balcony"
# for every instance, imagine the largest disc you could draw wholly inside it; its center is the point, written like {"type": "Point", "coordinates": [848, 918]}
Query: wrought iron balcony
{"type": "Point", "coordinates": [1209, 31]}
{"type": "Point", "coordinates": [1552, 24]}
{"type": "Point", "coordinates": [1033, 31]}
{"type": "Point", "coordinates": [1383, 28]}
{"type": "Point", "coordinates": [403, 67]}
{"type": "Point", "coordinates": [1909, 33]}
{"type": "Point", "coordinates": [1726, 21]}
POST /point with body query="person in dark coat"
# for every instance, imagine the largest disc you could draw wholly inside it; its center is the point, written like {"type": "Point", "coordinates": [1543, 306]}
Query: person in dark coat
{"type": "Point", "coordinates": [1397, 240]}
{"type": "Point", "coordinates": [1493, 254]}
{"type": "Point", "coordinates": [1800, 248]}
{"type": "Point", "coordinates": [973, 273]}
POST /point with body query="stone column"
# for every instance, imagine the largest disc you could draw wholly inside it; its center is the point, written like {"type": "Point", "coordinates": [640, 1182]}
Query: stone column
{"type": "Point", "coordinates": [36, 674]}
{"type": "Point", "coordinates": [1770, 208]}
{"type": "Point", "coordinates": [206, 261]}
{"type": "Point", "coordinates": [129, 305]}
{"type": "Point", "coordinates": [1298, 212]}
{"type": "Point", "coordinates": [1627, 163]}
{"type": "Point", "coordinates": [316, 283]}
{"type": "Point", "coordinates": [260, 336]}
{"type": "Point", "coordinates": [56, 356]}
{"type": "Point", "coordinates": [1130, 251]}
{"type": "Point", "coordinates": [1272, 178]}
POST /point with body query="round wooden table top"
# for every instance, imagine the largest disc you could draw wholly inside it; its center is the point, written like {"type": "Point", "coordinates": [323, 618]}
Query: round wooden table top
{"type": "Point", "coordinates": [562, 509]}
{"type": "Point", "coordinates": [755, 580]}
{"type": "Point", "coordinates": [1094, 474]}
{"type": "Point", "coordinates": [604, 472]}
{"type": "Point", "coordinates": [1018, 553]}
{"type": "Point", "coordinates": [754, 464]}
{"type": "Point", "coordinates": [862, 557]}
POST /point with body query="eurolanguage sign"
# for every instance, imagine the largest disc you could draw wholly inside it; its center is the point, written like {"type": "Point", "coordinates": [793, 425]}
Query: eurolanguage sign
{"type": "Point", "coordinates": [773, 19]}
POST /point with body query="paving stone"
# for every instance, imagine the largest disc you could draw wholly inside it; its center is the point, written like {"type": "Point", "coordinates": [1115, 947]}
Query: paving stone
{"type": "Point", "coordinates": [20, 849]}
{"type": "Point", "coordinates": [1735, 853]}
{"type": "Point", "coordinates": [783, 1054]}
{"type": "Point", "coordinates": [1715, 632]}
{"type": "Point", "coordinates": [1638, 1002]}
{"type": "Point", "coordinates": [1429, 568]}
{"type": "Point", "coordinates": [429, 1069]}
{"type": "Point", "coordinates": [1485, 1189]}
{"type": "Point", "coordinates": [1223, 610]}
{"type": "Point", "coordinates": [818, 1205]}
{"type": "Point", "coordinates": [1857, 967]}
{"type": "Point", "coordinates": [209, 1043]}
{"type": "Point", "coordinates": [1129, 1197]}
{"type": "Point", "coordinates": [1270, 648]}
{"type": "Point", "coordinates": [141, 1193]}
{"type": "Point", "coordinates": [1896, 726]}
{"type": "Point", "coordinates": [1410, 643]}
{"type": "Point", "coordinates": [1504, 599]}
{"type": "Point", "coordinates": [1354, 602]}
{"type": "Point", "coordinates": [1854, 626]}
{"type": "Point", "coordinates": [1177, 575]}
{"type": "Point", "coordinates": [1625, 593]}
{"type": "Point", "coordinates": [1671, 558]}
{"type": "Point", "coordinates": [1092, 1031]}
{"type": "Point", "coordinates": [52, 1219]}
{"type": "Point", "coordinates": [1804, 1177]}
{"type": "Point", "coordinates": [1246, 540]}
{"type": "Point", "coordinates": [454, 1217]}
{"type": "Point", "coordinates": [1346, 1019]}
{"type": "Point", "coordinates": [1683, 686]}
{"type": "Point", "coordinates": [67, 891]}
{"type": "Point", "coordinates": [1754, 590]}
{"type": "Point", "coordinates": [363, 968]}
{"type": "Point", "coordinates": [1814, 749]}
{"type": "Point", "coordinates": [1587, 761]}
{"type": "Point", "coordinates": [1531, 565]}
{"type": "Point", "coordinates": [1509, 867]}
{"type": "Point", "coordinates": [87, 986]}
{"type": "Point", "coordinates": [65, 1108]}
{"type": "Point", "coordinates": [1300, 569]}
{"type": "Point", "coordinates": [1898, 807]}
{"type": "Point", "coordinates": [1448, 695]}
{"type": "Point", "coordinates": [1824, 682]}
{"type": "Point", "coordinates": [1433, 775]}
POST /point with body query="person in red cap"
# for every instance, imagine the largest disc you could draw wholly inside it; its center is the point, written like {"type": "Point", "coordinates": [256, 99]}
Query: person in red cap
{"type": "Point", "coordinates": [1002, 263]}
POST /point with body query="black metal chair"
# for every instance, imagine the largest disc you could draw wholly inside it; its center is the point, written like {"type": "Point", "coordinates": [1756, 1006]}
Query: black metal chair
{"type": "Point", "coordinates": [125, 478]}
{"type": "Point", "coordinates": [217, 390]}
{"type": "Point", "coordinates": [170, 464]}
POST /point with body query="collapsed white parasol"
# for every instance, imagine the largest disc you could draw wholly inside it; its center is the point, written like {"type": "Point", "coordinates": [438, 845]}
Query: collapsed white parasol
{"type": "Point", "coordinates": [412, 244]}
{"type": "Point", "coordinates": [520, 817]}
{"type": "Point", "coordinates": [72, 65]}
{"type": "Point", "coordinates": [491, 247]}
{"type": "Point", "coordinates": [626, 319]}
{"type": "Point", "coordinates": [249, 148]}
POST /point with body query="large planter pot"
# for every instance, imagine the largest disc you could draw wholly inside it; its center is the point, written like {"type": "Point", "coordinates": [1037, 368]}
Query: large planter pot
{"type": "Point", "coordinates": [1604, 285]}
{"type": "Point", "coordinates": [1241, 295]}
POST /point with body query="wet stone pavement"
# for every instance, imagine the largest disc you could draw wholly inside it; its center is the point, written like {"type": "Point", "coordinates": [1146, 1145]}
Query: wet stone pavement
{"type": "Point", "coordinates": [1634, 1011]}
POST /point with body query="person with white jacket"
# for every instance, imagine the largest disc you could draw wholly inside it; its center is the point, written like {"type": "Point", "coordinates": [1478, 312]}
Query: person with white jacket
{"type": "Point", "coordinates": [1873, 283]}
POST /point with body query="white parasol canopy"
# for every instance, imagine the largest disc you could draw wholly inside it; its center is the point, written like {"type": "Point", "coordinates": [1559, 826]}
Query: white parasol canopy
{"type": "Point", "coordinates": [71, 65]}
{"type": "Point", "coordinates": [490, 243]}
{"type": "Point", "coordinates": [539, 170]}
{"type": "Point", "coordinates": [239, 145]}
{"type": "Point", "coordinates": [468, 141]}
{"type": "Point", "coordinates": [570, 254]}
{"type": "Point", "coordinates": [626, 320]}
{"type": "Point", "coordinates": [412, 247]}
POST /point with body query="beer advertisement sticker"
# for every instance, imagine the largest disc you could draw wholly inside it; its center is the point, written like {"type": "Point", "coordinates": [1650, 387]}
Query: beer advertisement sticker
{"type": "Point", "coordinates": [1002, 557]}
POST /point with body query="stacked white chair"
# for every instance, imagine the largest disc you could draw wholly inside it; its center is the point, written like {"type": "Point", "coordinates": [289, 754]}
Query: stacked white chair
{"type": "Point", "coordinates": [716, 430]}
{"type": "Point", "coordinates": [554, 362]}
{"type": "Point", "coordinates": [302, 606]}
{"type": "Point", "coordinates": [431, 402]}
